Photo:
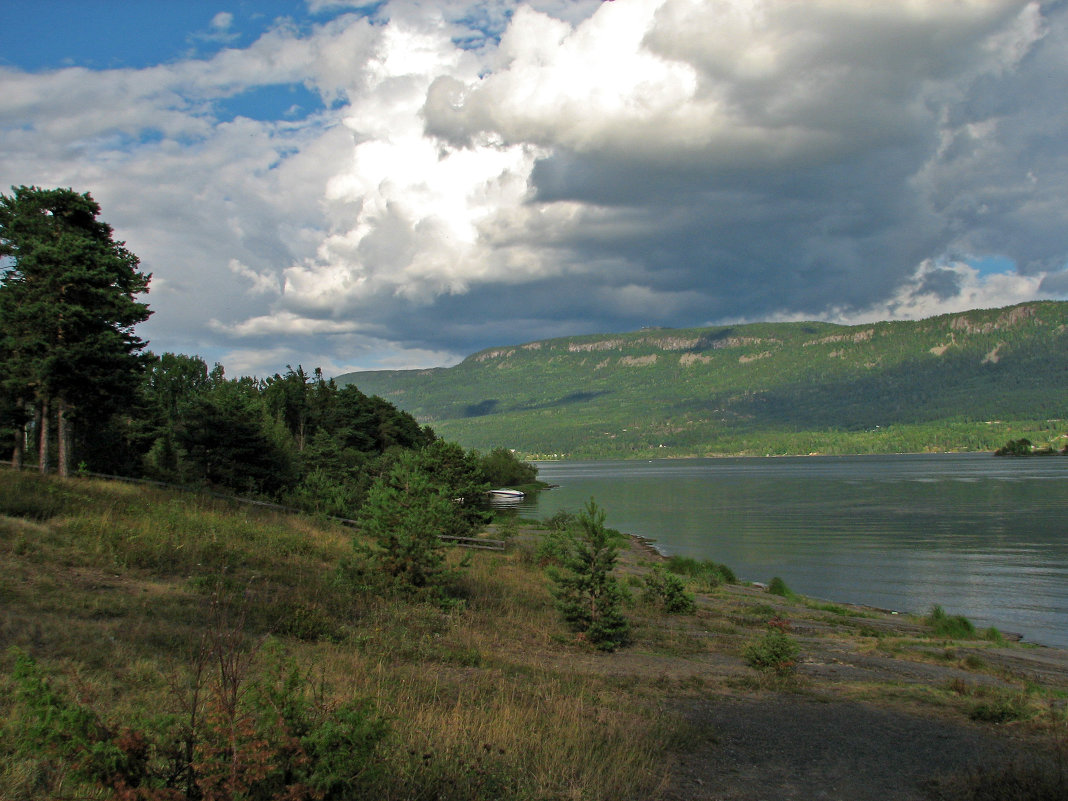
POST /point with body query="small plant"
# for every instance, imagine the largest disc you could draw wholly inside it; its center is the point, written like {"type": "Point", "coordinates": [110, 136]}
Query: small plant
{"type": "Point", "coordinates": [507, 525]}
{"type": "Point", "coordinates": [778, 623]}
{"type": "Point", "coordinates": [834, 609]}
{"type": "Point", "coordinates": [775, 652]}
{"type": "Point", "coordinates": [951, 627]}
{"type": "Point", "coordinates": [994, 636]}
{"type": "Point", "coordinates": [974, 662]}
{"type": "Point", "coordinates": [1037, 778]}
{"type": "Point", "coordinates": [668, 591]}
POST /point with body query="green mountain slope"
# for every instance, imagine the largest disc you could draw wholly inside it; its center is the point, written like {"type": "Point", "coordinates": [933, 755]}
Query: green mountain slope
{"type": "Point", "coordinates": [966, 381]}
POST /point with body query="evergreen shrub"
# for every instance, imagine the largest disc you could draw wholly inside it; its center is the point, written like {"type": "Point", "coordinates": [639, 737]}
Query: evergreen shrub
{"type": "Point", "coordinates": [587, 594]}
{"type": "Point", "coordinates": [668, 591]}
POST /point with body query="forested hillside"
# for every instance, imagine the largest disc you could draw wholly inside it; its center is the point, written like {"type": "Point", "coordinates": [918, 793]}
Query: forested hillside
{"type": "Point", "coordinates": [966, 381]}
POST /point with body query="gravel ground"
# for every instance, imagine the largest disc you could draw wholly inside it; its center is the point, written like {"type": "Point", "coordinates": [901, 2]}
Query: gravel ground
{"type": "Point", "coordinates": [781, 747]}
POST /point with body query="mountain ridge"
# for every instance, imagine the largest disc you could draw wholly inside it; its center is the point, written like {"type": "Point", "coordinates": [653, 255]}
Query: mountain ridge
{"type": "Point", "coordinates": [960, 381]}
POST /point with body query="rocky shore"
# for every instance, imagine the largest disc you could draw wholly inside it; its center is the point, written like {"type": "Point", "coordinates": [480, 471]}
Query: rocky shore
{"type": "Point", "coordinates": [877, 708]}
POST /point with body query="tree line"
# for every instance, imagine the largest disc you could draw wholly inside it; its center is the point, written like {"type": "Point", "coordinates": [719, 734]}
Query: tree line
{"type": "Point", "coordinates": [80, 389]}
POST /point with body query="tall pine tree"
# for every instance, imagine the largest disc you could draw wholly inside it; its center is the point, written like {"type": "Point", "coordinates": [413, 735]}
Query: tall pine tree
{"type": "Point", "coordinates": [68, 307]}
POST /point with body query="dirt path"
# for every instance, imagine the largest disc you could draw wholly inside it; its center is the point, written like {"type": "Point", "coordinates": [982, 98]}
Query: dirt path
{"type": "Point", "coordinates": [777, 748]}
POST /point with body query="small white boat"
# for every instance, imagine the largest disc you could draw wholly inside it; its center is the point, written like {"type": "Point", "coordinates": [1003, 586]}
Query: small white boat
{"type": "Point", "coordinates": [506, 493]}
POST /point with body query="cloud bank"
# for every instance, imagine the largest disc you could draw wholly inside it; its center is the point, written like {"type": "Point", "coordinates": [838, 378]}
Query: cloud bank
{"type": "Point", "coordinates": [445, 176]}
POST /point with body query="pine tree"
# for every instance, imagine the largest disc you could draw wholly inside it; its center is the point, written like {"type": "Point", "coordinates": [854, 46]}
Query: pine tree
{"type": "Point", "coordinates": [406, 512]}
{"type": "Point", "coordinates": [588, 595]}
{"type": "Point", "coordinates": [68, 307]}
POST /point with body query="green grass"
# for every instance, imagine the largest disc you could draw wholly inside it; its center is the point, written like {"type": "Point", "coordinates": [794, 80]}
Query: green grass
{"type": "Point", "coordinates": [705, 574]}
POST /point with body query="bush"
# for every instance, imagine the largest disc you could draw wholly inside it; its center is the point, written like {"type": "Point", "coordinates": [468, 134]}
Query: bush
{"type": "Point", "coordinates": [1015, 447]}
{"type": "Point", "coordinates": [561, 521]}
{"type": "Point", "coordinates": [778, 587]}
{"type": "Point", "coordinates": [259, 731]}
{"type": "Point", "coordinates": [776, 652]}
{"type": "Point", "coordinates": [668, 590]}
{"type": "Point", "coordinates": [553, 546]}
{"type": "Point", "coordinates": [952, 627]}
{"type": "Point", "coordinates": [706, 573]}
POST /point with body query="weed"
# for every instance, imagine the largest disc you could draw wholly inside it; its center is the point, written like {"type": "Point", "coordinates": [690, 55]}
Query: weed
{"type": "Point", "coordinates": [1002, 709]}
{"type": "Point", "coordinates": [243, 734]}
{"type": "Point", "coordinates": [974, 662]}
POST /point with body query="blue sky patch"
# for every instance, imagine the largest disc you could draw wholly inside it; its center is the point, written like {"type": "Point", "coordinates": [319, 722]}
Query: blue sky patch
{"type": "Point", "coordinates": [292, 101]}
{"type": "Point", "coordinates": [991, 265]}
{"type": "Point", "coordinates": [115, 34]}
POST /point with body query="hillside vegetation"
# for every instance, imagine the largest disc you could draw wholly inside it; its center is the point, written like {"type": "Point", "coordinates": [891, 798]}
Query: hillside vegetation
{"type": "Point", "coordinates": [968, 381]}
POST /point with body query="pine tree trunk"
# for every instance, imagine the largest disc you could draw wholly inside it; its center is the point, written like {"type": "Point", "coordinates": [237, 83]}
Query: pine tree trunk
{"type": "Point", "coordinates": [64, 425]}
{"type": "Point", "coordinates": [43, 434]}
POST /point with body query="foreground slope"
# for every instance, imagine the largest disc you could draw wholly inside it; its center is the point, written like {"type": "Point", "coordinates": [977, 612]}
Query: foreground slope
{"type": "Point", "coordinates": [965, 381]}
{"type": "Point", "coordinates": [115, 590]}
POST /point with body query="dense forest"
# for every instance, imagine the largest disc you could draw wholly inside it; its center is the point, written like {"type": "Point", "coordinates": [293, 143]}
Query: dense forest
{"type": "Point", "coordinates": [80, 390]}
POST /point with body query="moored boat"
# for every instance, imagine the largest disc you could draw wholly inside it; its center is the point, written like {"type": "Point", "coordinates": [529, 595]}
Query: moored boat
{"type": "Point", "coordinates": [506, 493]}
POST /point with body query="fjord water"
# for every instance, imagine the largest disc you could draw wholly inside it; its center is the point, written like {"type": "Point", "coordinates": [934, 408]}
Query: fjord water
{"type": "Point", "coordinates": [981, 536]}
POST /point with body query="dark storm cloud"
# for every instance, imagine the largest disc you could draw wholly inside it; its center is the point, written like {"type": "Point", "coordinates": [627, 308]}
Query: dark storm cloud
{"type": "Point", "coordinates": [485, 172]}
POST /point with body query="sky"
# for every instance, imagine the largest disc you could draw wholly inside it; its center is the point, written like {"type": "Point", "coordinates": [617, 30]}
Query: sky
{"type": "Point", "coordinates": [398, 184]}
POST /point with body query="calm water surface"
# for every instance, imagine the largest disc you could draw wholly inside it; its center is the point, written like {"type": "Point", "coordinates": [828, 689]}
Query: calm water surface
{"type": "Point", "coordinates": [981, 536]}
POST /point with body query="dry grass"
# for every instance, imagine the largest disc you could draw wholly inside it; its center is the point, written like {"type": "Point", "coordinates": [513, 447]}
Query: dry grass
{"type": "Point", "coordinates": [108, 587]}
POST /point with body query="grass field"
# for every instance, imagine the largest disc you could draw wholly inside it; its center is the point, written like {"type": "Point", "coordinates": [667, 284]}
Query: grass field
{"type": "Point", "coordinates": [129, 611]}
